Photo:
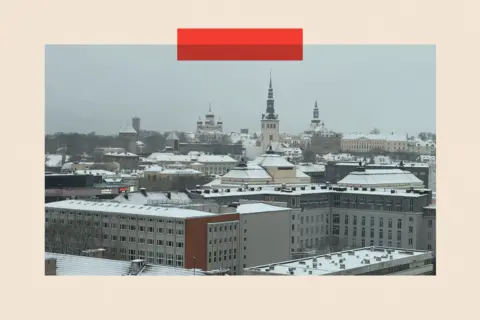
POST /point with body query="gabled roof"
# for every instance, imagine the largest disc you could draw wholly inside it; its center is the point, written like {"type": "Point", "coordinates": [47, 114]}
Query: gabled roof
{"type": "Point", "coordinates": [127, 128]}
{"type": "Point", "coordinates": [172, 136]}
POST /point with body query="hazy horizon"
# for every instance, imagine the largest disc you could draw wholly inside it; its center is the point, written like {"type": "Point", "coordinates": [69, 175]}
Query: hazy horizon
{"type": "Point", "coordinates": [358, 87]}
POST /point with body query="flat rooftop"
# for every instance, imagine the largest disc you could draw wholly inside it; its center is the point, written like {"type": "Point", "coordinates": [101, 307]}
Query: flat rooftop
{"type": "Point", "coordinates": [246, 208]}
{"type": "Point", "coordinates": [337, 261]}
{"type": "Point", "coordinates": [121, 208]}
{"type": "Point", "coordinates": [270, 190]}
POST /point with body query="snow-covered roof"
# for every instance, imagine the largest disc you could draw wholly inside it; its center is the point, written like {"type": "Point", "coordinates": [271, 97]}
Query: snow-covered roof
{"type": "Point", "coordinates": [120, 208]}
{"type": "Point", "coordinates": [381, 177]}
{"type": "Point", "coordinates": [128, 128]}
{"type": "Point", "coordinates": [54, 160]}
{"type": "Point", "coordinates": [311, 167]}
{"type": "Point", "coordinates": [95, 172]}
{"type": "Point", "coordinates": [383, 137]}
{"type": "Point", "coordinates": [137, 198]}
{"type": "Point", "coordinates": [331, 264]}
{"type": "Point", "coordinates": [246, 208]}
{"type": "Point", "coordinates": [120, 154]}
{"type": "Point", "coordinates": [71, 265]}
{"type": "Point", "coordinates": [181, 171]}
{"type": "Point", "coordinates": [248, 173]}
{"type": "Point", "coordinates": [272, 160]}
{"type": "Point", "coordinates": [172, 136]}
{"type": "Point", "coordinates": [153, 168]}
{"type": "Point", "coordinates": [202, 158]}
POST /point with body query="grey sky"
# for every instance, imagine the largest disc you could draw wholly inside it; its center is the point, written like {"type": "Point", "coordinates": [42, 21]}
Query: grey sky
{"type": "Point", "coordinates": [358, 87]}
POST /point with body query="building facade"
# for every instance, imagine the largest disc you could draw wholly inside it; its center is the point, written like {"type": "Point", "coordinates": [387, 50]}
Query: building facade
{"type": "Point", "coordinates": [326, 219]}
{"type": "Point", "coordinates": [370, 142]}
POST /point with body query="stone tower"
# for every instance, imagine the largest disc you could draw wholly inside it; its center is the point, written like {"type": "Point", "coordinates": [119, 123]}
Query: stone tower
{"type": "Point", "coordinates": [270, 123]}
{"type": "Point", "coordinates": [129, 138]}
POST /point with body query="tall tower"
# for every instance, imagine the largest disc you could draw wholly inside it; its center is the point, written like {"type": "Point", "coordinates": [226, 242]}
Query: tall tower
{"type": "Point", "coordinates": [315, 120]}
{"type": "Point", "coordinates": [136, 126]}
{"type": "Point", "coordinates": [270, 122]}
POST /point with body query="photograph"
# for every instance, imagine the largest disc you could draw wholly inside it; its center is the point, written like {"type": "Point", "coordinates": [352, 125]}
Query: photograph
{"type": "Point", "coordinates": [324, 165]}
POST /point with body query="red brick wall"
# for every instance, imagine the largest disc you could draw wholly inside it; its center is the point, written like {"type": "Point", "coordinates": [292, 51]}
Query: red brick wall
{"type": "Point", "coordinates": [196, 238]}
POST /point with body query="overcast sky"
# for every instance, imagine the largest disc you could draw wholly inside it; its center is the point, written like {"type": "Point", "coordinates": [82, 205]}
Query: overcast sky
{"type": "Point", "coordinates": [358, 87]}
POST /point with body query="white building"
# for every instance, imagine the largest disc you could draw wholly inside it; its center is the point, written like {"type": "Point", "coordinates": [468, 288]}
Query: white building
{"type": "Point", "coordinates": [368, 142]}
{"type": "Point", "coordinates": [256, 241]}
{"type": "Point", "coordinates": [364, 261]}
{"type": "Point", "coordinates": [381, 178]}
{"type": "Point", "coordinates": [208, 164]}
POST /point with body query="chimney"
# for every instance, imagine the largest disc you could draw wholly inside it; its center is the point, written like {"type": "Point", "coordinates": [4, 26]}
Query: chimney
{"type": "Point", "coordinates": [143, 191]}
{"type": "Point", "coordinates": [50, 266]}
{"type": "Point", "coordinates": [137, 266]}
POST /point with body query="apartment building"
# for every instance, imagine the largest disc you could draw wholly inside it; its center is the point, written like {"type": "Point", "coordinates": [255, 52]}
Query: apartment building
{"type": "Point", "coordinates": [364, 261]}
{"type": "Point", "coordinates": [161, 235]}
{"type": "Point", "coordinates": [326, 218]}
{"type": "Point", "coordinates": [230, 240]}
{"type": "Point", "coordinates": [369, 142]}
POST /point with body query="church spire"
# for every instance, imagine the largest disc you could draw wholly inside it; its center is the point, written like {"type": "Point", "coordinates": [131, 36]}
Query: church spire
{"type": "Point", "coordinates": [270, 87]}
{"type": "Point", "coordinates": [315, 119]}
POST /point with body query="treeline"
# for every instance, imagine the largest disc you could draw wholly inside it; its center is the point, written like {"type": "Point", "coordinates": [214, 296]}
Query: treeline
{"type": "Point", "coordinates": [78, 143]}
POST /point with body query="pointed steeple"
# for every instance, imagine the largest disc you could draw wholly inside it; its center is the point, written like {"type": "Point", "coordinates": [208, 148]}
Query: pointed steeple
{"type": "Point", "coordinates": [209, 107]}
{"type": "Point", "coordinates": [315, 119]}
{"type": "Point", "coordinates": [270, 114]}
{"type": "Point", "coordinates": [270, 87]}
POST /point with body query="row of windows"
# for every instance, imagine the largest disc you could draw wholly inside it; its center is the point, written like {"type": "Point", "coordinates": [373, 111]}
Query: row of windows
{"type": "Point", "coordinates": [222, 228]}
{"type": "Point", "coordinates": [179, 244]}
{"type": "Point", "coordinates": [336, 220]}
{"type": "Point", "coordinates": [120, 217]}
{"type": "Point", "coordinates": [222, 240]}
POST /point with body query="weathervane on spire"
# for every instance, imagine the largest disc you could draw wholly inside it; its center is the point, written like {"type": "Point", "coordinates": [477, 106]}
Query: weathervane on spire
{"type": "Point", "coordinates": [209, 107]}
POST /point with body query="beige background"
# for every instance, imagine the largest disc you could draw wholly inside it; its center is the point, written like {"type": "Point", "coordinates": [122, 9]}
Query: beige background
{"type": "Point", "coordinates": [26, 26]}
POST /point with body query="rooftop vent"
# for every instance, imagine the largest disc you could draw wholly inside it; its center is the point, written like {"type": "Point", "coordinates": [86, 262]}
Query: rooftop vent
{"type": "Point", "coordinates": [367, 261]}
{"type": "Point", "coordinates": [351, 253]}
{"type": "Point", "coordinates": [293, 188]}
{"type": "Point", "coordinates": [302, 262]}
{"type": "Point", "coordinates": [372, 189]}
{"type": "Point", "coordinates": [215, 190]}
{"type": "Point", "coordinates": [239, 189]}
{"type": "Point", "coordinates": [143, 191]}
{"type": "Point", "coordinates": [378, 258]}
{"type": "Point", "coordinates": [259, 188]}
{"type": "Point", "coordinates": [323, 187]}
{"type": "Point", "coordinates": [302, 188]}
{"type": "Point", "coordinates": [355, 188]}
{"type": "Point", "coordinates": [364, 189]}
{"type": "Point", "coordinates": [392, 191]}
{"type": "Point", "coordinates": [252, 189]}
{"type": "Point", "coordinates": [310, 272]}
{"type": "Point", "coordinates": [206, 191]}
{"type": "Point", "coordinates": [227, 190]}
{"type": "Point", "coordinates": [342, 266]}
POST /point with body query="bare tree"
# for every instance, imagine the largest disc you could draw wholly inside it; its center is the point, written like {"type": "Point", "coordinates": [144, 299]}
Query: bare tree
{"type": "Point", "coordinates": [71, 238]}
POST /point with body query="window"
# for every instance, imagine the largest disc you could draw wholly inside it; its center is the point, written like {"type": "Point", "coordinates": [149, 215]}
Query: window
{"type": "Point", "coordinates": [389, 234]}
{"type": "Point", "coordinates": [123, 226]}
{"type": "Point", "coordinates": [159, 230]}
{"type": "Point", "coordinates": [301, 220]}
{"type": "Point", "coordinates": [363, 221]}
{"type": "Point", "coordinates": [429, 235]}
{"type": "Point", "coordinates": [410, 219]}
{"type": "Point", "coordinates": [105, 224]}
{"type": "Point", "coordinates": [346, 219]}
{"type": "Point", "coordinates": [105, 237]}
{"type": "Point", "coordinates": [170, 231]}
{"type": "Point", "coordinates": [410, 241]}
{"type": "Point", "coordinates": [113, 237]}
{"type": "Point", "coordinates": [390, 223]}
{"type": "Point", "coordinates": [131, 227]}
{"type": "Point", "coordinates": [150, 241]}
{"type": "Point", "coordinates": [372, 243]}
{"type": "Point", "coordinates": [381, 222]}
{"type": "Point", "coordinates": [293, 239]}
{"type": "Point", "coordinates": [430, 223]}
{"type": "Point", "coordinates": [372, 233]}
{"type": "Point", "coordinates": [399, 224]}
{"type": "Point", "coordinates": [159, 242]}
{"type": "Point", "coordinates": [169, 243]}
{"type": "Point", "coordinates": [346, 231]}
{"type": "Point", "coordinates": [354, 231]}
{"type": "Point", "coordinates": [132, 240]}
{"type": "Point", "coordinates": [363, 232]}
{"type": "Point", "coordinates": [141, 240]}
{"type": "Point", "coordinates": [335, 230]}
{"type": "Point", "coordinates": [399, 235]}
{"type": "Point", "coordinates": [429, 247]}
{"type": "Point", "coordinates": [179, 244]}
{"type": "Point", "coordinates": [354, 220]}
{"type": "Point", "coordinates": [363, 242]}
{"type": "Point", "coordinates": [372, 221]}
{"type": "Point", "coordinates": [293, 217]}
{"type": "Point", "coordinates": [410, 229]}
{"type": "Point", "coordinates": [179, 232]}
{"type": "Point", "coordinates": [123, 239]}
{"type": "Point", "coordinates": [150, 229]}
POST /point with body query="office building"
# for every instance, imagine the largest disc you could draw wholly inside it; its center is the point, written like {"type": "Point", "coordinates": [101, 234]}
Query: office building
{"type": "Point", "coordinates": [364, 261]}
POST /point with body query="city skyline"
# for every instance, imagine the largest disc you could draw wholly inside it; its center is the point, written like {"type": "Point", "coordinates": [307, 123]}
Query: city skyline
{"type": "Point", "coordinates": [102, 87]}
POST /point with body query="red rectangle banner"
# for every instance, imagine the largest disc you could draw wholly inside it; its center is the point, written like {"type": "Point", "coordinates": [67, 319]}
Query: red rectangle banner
{"type": "Point", "coordinates": [239, 44]}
